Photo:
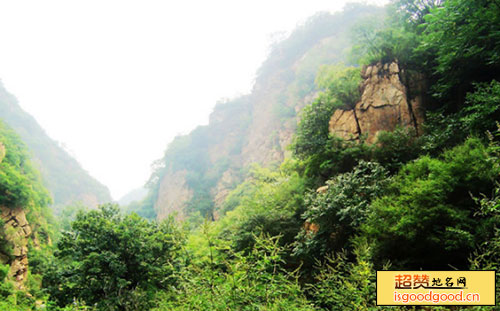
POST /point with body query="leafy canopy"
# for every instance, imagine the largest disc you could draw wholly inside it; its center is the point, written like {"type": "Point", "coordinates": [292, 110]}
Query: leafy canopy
{"type": "Point", "coordinates": [338, 212]}
{"type": "Point", "coordinates": [462, 41]}
{"type": "Point", "coordinates": [111, 261]}
{"type": "Point", "coordinates": [429, 207]}
{"type": "Point", "coordinates": [20, 184]}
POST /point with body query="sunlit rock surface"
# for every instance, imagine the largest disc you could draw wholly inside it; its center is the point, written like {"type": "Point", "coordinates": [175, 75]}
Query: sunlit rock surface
{"type": "Point", "coordinates": [390, 98]}
{"type": "Point", "coordinates": [17, 232]}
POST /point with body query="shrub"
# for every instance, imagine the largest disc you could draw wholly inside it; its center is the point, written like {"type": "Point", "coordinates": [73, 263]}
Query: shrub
{"type": "Point", "coordinates": [114, 262]}
{"type": "Point", "coordinates": [427, 219]}
{"type": "Point", "coordinates": [250, 282]}
{"type": "Point", "coordinates": [339, 212]}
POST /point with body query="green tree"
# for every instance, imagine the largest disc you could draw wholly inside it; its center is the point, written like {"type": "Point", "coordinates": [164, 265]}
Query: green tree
{"type": "Point", "coordinates": [312, 135]}
{"type": "Point", "coordinates": [340, 84]}
{"type": "Point", "coordinates": [321, 155]}
{"type": "Point", "coordinates": [482, 109]}
{"type": "Point", "coordinates": [462, 41]}
{"type": "Point", "coordinates": [394, 149]}
{"type": "Point", "coordinates": [20, 183]}
{"type": "Point", "coordinates": [340, 87]}
{"type": "Point", "coordinates": [338, 212]}
{"type": "Point", "coordinates": [114, 262]}
{"type": "Point", "coordinates": [251, 282]}
{"type": "Point", "coordinates": [412, 12]}
{"type": "Point", "coordinates": [269, 202]}
{"type": "Point", "coordinates": [343, 284]}
{"type": "Point", "coordinates": [428, 218]}
{"type": "Point", "coordinates": [373, 43]}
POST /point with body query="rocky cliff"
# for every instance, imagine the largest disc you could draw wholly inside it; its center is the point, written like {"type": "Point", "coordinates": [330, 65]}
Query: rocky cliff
{"type": "Point", "coordinates": [17, 232]}
{"type": "Point", "coordinates": [390, 98]}
{"type": "Point", "coordinates": [200, 169]}
{"type": "Point", "coordinates": [174, 194]}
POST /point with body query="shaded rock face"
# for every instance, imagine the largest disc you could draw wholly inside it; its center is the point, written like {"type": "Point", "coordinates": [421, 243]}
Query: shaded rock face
{"type": "Point", "coordinates": [390, 98]}
{"type": "Point", "coordinates": [173, 195]}
{"type": "Point", "coordinates": [17, 232]}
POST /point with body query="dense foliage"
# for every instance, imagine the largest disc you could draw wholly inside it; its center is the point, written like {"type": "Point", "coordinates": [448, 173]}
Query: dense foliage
{"type": "Point", "coordinates": [429, 206]}
{"type": "Point", "coordinates": [339, 210]}
{"type": "Point", "coordinates": [250, 281]}
{"type": "Point", "coordinates": [463, 39]}
{"type": "Point", "coordinates": [268, 203]}
{"type": "Point", "coordinates": [114, 262]}
{"type": "Point", "coordinates": [20, 189]}
{"type": "Point", "coordinates": [19, 183]}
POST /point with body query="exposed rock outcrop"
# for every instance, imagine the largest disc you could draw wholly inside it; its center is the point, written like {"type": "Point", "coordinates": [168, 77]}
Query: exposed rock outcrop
{"type": "Point", "coordinates": [390, 98]}
{"type": "Point", "coordinates": [344, 125]}
{"type": "Point", "coordinates": [17, 232]}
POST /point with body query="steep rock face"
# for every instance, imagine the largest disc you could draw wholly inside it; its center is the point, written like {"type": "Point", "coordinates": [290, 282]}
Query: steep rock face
{"type": "Point", "coordinates": [17, 232]}
{"type": "Point", "coordinates": [266, 130]}
{"type": "Point", "coordinates": [174, 193]}
{"type": "Point", "coordinates": [344, 124]}
{"type": "Point", "coordinates": [390, 98]}
{"type": "Point", "coordinates": [208, 158]}
{"type": "Point", "coordinates": [261, 132]}
{"type": "Point", "coordinates": [222, 189]}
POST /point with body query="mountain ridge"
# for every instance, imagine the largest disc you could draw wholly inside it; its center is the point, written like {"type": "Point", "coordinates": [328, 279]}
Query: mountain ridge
{"type": "Point", "coordinates": [199, 170]}
{"type": "Point", "coordinates": [65, 178]}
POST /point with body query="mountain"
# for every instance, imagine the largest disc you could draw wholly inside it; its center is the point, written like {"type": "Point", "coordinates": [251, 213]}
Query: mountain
{"type": "Point", "coordinates": [200, 169]}
{"type": "Point", "coordinates": [133, 195]}
{"type": "Point", "coordinates": [67, 181]}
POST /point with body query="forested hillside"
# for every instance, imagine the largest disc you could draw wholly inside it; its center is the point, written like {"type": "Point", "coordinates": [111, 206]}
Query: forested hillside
{"type": "Point", "coordinates": [66, 180]}
{"type": "Point", "coordinates": [392, 163]}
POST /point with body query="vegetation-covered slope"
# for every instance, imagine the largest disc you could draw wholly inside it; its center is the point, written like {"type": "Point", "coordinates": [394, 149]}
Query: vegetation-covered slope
{"type": "Point", "coordinates": [24, 216]}
{"type": "Point", "coordinates": [67, 181]}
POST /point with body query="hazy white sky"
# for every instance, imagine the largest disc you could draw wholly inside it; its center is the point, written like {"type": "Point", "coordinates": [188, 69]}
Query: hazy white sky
{"type": "Point", "coordinates": [117, 80]}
